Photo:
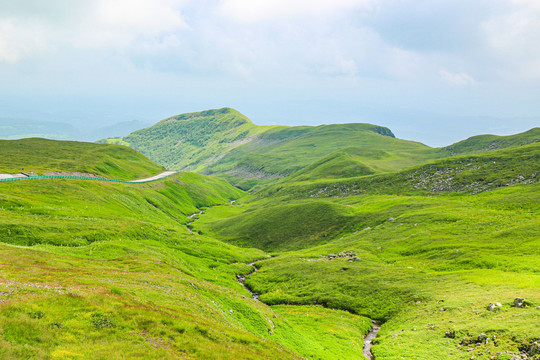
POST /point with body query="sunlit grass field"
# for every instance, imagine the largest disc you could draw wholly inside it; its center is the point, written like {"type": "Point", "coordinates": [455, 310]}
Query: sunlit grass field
{"type": "Point", "coordinates": [99, 270]}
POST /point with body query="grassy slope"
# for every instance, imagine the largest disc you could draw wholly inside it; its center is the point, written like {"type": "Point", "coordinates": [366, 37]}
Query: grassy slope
{"type": "Point", "coordinates": [483, 143]}
{"type": "Point", "coordinates": [452, 251]}
{"type": "Point", "coordinates": [226, 143]}
{"type": "Point", "coordinates": [114, 273]}
{"type": "Point", "coordinates": [187, 141]}
{"type": "Point", "coordinates": [466, 173]}
{"type": "Point", "coordinates": [346, 163]}
{"type": "Point", "coordinates": [41, 156]}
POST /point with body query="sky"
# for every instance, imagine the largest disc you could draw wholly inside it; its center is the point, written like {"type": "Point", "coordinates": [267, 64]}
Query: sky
{"type": "Point", "coordinates": [435, 71]}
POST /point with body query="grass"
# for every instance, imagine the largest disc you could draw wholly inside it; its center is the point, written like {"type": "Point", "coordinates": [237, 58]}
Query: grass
{"type": "Point", "coordinates": [466, 174]}
{"type": "Point", "coordinates": [438, 264]}
{"type": "Point", "coordinates": [41, 156]}
{"type": "Point", "coordinates": [115, 272]}
{"type": "Point", "coordinates": [482, 143]}
{"type": "Point", "coordinates": [226, 143]}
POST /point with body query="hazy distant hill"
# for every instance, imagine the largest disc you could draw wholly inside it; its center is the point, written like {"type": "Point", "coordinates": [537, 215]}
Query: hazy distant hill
{"type": "Point", "coordinates": [116, 130]}
{"type": "Point", "coordinates": [11, 128]}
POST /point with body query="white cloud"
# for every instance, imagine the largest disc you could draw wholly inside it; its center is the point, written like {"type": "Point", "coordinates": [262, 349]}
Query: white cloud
{"type": "Point", "coordinates": [457, 79]}
{"type": "Point", "coordinates": [257, 10]}
{"type": "Point", "coordinates": [18, 39]}
{"type": "Point", "coordinates": [100, 24]}
{"type": "Point", "coordinates": [511, 39]}
{"type": "Point", "coordinates": [154, 16]}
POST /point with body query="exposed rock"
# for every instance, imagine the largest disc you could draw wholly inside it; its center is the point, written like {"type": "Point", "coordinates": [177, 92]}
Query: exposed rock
{"type": "Point", "coordinates": [391, 219]}
{"type": "Point", "coordinates": [348, 253]}
{"type": "Point", "coordinates": [332, 256]}
{"type": "Point", "coordinates": [451, 334]}
{"type": "Point", "coordinates": [519, 302]}
{"type": "Point", "coordinates": [482, 338]}
{"type": "Point", "coordinates": [534, 349]}
{"type": "Point", "coordinates": [354, 259]}
{"type": "Point", "coordinates": [494, 307]}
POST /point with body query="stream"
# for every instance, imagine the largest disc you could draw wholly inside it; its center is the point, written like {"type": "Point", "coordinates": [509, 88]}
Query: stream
{"type": "Point", "coordinates": [242, 280]}
{"type": "Point", "coordinates": [366, 351]}
{"type": "Point", "coordinates": [372, 334]}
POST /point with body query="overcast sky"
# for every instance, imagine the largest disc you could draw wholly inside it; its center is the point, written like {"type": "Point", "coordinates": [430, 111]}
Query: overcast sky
{"type": "Point", "coordinates": [434, 71]}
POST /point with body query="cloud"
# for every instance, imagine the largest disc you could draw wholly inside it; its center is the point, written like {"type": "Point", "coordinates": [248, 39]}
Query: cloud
{"type": "Point", "coordinates": [249, 11]}
{"type": "Point", "coordinates": [114, 24]}
{"type": "Point", "coordinates": [457, 79]}
{"type": "Point", "coordinates": [511, 38]}
{"type": "Point", "coordinates": [19, 39]}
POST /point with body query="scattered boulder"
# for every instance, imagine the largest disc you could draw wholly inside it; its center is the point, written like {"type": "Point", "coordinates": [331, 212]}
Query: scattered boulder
{"type": "Point", "coordinates": [451, 334]}
{"type": "Point", "coordinates": [391, 219]}
{"type": "Point", "coordinates": [519, 302]}
{"type": "Point", "coordinates": [348, 253]}
{"type": "Point", "coordinates": [494, 307]}
{"type": "Point", "coordinates": [534, 349]}
{"type": "Point", "coordinates": [482, 338]}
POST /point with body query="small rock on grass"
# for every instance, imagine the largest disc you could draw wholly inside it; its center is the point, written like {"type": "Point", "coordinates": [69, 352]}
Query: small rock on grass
{"type": "Point", "coordinates": [494, 307]}
{"type": "Point", "coordinates": [519, 302]}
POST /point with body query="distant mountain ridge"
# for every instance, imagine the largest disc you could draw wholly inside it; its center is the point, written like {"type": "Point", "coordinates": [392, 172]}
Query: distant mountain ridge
{"type": "Point", "coordinates": [11, 129]}
{"type": "Point", "coordinates": [14, 128]}
{"type": "Point", "coordinates": [226, 143]}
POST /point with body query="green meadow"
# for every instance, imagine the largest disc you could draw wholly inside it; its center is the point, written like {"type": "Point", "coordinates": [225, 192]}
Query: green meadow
{"type": "Point", "coordinates": [342, 225]}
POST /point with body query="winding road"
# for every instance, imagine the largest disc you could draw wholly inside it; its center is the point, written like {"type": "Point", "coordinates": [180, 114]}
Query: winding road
{"type": "Point", "coordinates": [17, 177]}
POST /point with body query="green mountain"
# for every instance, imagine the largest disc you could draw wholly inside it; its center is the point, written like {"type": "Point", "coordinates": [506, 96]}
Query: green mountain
{"type": "Point", "coordinates": [224, 142]}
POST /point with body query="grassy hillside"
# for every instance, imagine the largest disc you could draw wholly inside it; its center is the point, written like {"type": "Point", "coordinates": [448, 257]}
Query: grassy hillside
{"type": "Point", "coordinates": [345, 163]}
{"type": "Point", "coordinates": [347, 224]}
{"type": "Point", "coordinates": [114, 273]}
{"type": "Point", "coordinates": [42, 156]}
{"type": "Point", "coordinates": [224, 142]}
{"type": "Point", "coordinates": [467, 173]}
{"type": "Point", "coordinates": [421, 264]}
{"type": "Point", "coordinates": [483, 143]}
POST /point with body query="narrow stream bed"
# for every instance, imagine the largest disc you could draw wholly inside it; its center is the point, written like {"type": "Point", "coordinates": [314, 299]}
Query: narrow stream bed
{"type": "Point", "coordinates": [372, 334]}
{"type": "Point", "coordinates": [242, 280]}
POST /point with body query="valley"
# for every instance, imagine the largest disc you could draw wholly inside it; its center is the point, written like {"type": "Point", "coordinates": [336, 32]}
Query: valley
{"type": "Point", "coordinates": [271, 242]}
